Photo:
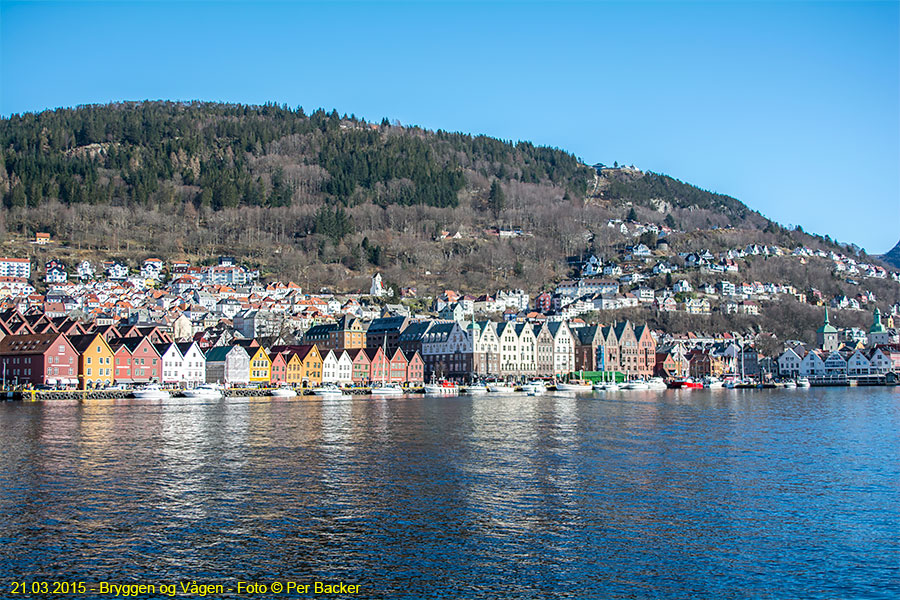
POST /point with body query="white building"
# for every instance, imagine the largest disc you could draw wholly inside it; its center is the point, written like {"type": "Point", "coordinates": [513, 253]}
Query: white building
{"type": "Point", "coordinates": [85, 270]}
{"type": "Point", "coordinates": [789, 363]}
{"type": "Point", "coordinates": [171, 363]}
{"type": "Point", "coordinates": [193, 364]}
{"type": "Point", "coordinates": [56, 275]}
{"type": "Point", "coordinates": [330, 367]}
{"type": "Point", "coordinates": [15, 267]}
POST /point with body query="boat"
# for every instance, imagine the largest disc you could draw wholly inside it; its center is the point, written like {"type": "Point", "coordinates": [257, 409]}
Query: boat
{"type": "Point", "coordinates": [657, 383]}
{"type": "Point", "coordinates": [635, 384]}
{"type": "Point", "coordinates": [475, 389]}
{"type": "Point", "coordinates": [328, 390]}
{"type": "Point", "coordinates": [685, 383]}
{"type": "Point", "coordinates": [151, 391]}
{"type": "Point", "coordinates": [713, 383]}
{"type": "Point", "coordinates": [606, 386]}
{"type": "Point", "coordinates": [386, 389]}
{"type": "Point", "coordinates": [209, 391]}
{"type": "Point", "coordinates": [573, 385]}
{"type": "Point", "coordinates": [283, 391]}
{"type": "Point", "coordinates": [790, 384]}
{"type": "Point", "coordinates": [535, 387]}
{"type": "Point", "coordinates": [441, 388]}
{"type": "Point", "coordinates": [802, 382]}
{"type": "Point", "coordinates": [500, 387]}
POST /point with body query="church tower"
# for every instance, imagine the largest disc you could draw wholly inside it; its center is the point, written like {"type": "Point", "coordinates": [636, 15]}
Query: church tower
{"type": "Point", "coordinates": [878, 333]}
{"type": "Point", "coordinates": [827, 335]}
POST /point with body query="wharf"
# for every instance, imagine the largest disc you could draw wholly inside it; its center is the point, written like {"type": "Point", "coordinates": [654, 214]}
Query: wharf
{"type": "Point", "coordinates": [87, 395]}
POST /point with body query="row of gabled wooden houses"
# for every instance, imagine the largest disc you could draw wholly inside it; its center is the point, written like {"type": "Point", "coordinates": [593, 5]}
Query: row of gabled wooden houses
{"type": "Point", "coordinates": [108, 356]}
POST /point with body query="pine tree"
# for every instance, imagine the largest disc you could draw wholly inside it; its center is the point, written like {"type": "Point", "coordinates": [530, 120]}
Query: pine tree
{"type": "Point", "coordinates": [497, 199]}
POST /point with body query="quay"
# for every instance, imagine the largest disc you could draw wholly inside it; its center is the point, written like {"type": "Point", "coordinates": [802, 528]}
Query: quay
{"type": "Point", "coordinates": [87, 395]}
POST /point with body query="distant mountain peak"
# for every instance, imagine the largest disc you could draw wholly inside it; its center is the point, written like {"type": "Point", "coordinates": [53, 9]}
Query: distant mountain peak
{"type": "Point", "coordinates": [893, 256]}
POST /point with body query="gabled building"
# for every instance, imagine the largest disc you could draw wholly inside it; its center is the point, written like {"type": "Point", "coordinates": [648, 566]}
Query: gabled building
{"type": "Point", "coordinates": [361, 365]}
{"type": "Point", "coordinates": [95, 360]}
{"type": "Point", "coordinates": [229, 365]}
{"type": "Point", "coordinates": [193, 364]}
{"type": "Point", "coordinates": [39, 359]}
{"type": "Point", "coordinates": [171, 360]}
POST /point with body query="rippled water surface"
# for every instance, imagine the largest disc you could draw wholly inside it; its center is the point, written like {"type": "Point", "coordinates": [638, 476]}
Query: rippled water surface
{"type": "Point", "coordinates": [718, 494]}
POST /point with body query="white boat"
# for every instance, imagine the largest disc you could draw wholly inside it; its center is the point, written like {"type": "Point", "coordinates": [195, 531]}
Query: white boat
{"type": "Point", "coordinates": [657, 383]}
{"type": "Point", "coordinates": [387, 389]}
{"type": "Point", "coordinates": [327, 390]}
{"type": "Point", "coordinates": [713, 383]}
{"type": "Point", "coordinates": [606, 386]}
{"type": "Point", "coordinates": [151, 391]}
{"type": "Point", "coordinates": [209, 391]}
{"type": "Point", "coordinates": [284, 390]}
{"type": "Point", "coordinates": [535, 387]}
{"type": "Point", "coordinates": [636, 384]}
{"type": "Point", "coordinates": [802, 382]}
{"type": "Point", "coordinates": [576, 385]}
{"type": "Point", "coordinates": [790, 384]}
{"type": "Point", "coordinates": [476, 389]}
{"type": "Point", "coordinates": [441, 388]}
{"type": "Point", "coordinates": [498, 387]}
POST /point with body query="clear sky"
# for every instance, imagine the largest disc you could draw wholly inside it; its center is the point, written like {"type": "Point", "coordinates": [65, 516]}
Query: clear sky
{"type": "Point", "coordinates": [792, 107]}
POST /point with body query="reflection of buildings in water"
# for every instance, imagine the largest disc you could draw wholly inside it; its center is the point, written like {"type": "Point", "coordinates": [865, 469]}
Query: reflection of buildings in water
{"type": "Point", "coordinates": [503, 437]}
{"type": "Point", "coordinates": [187, 430]}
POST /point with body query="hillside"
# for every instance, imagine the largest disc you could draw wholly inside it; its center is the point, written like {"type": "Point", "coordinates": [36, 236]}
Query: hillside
{"type": "Point", "coordinates": [326, 199]}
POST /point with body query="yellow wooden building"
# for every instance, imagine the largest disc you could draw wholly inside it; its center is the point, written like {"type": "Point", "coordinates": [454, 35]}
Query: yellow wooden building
{"type": "Point", "coordinates": [260, 365]}
{"type": "Point", "coordinates": [95, 360]}
{"type": "Point", "coordinates": [305, 365]}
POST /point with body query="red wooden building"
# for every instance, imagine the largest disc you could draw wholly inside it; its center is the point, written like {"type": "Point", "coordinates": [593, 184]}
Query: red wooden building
{"type": "Point", "coordinates": [38, 359]}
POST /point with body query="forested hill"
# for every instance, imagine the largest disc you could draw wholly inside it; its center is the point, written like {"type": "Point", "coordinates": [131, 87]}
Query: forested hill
{"type": "Point", "coordinates": [327, 198]}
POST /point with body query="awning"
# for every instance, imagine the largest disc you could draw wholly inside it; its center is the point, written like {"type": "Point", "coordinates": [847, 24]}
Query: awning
{"type": "Point", "coordinates": [51, 382]}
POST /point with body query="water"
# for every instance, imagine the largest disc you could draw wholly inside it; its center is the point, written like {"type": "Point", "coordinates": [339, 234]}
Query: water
{"type": "Point", "coordinates": [712, 494]}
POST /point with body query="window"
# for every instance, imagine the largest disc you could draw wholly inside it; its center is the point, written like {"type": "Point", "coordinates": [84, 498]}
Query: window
{"type": "Point", "coordinates": [88, 361]}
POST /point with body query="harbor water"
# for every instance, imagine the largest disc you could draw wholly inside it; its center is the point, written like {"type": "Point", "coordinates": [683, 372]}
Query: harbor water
{"type": "Point", "coordinates": [640, 494]}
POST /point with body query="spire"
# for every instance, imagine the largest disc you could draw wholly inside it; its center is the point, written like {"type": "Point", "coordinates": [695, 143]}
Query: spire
{"type": "Point", "coordinates": [877, 326]}
{"type": "Point", "coordinates": [826, 315]}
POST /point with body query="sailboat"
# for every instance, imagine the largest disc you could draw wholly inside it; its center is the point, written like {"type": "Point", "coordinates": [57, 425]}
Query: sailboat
{"type": "Point", "coordinates": [384, 388]}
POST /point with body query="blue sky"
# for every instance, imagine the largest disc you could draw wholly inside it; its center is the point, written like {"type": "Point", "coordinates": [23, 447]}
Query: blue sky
{"type": "Point", "coordinates": [792, 107]}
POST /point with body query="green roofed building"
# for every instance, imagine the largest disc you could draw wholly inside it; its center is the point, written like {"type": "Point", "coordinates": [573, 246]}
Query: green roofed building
{"type": "Point", "coordinates": [827, 335]}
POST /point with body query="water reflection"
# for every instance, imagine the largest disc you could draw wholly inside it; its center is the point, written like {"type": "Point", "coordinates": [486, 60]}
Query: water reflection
{"type": "Point", "coordinates": [728, 493]}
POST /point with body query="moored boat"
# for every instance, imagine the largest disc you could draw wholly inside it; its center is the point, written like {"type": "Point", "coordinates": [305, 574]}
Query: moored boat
{"type": "Point", "coordinates": [535, 387]}
{"type": "Point", "coordinates": [802, 382]}
{"type": "Point", "coordinates": [474, 389]}
{"type": "Point", "coordinates": [151, 391]}
{"type": "Point", "coordinates": [210, 391]}
{"type": "Point", "coordinates": [606, 386]}
{"type": "Point", "coordinates": [712, 383]}
{"type": "Point", "coordinates": [657, 383]}
{"type": "Point", "coordinates": [500, 387]}
{"type": "Point", "coordinates": [635, 384]}
{"type": "Point", "coordinates": [441, 388]}
{"type": "Point", "coordinates": [387, 389]}
{"type": "Point", "coordinates": [328, 390]}
{"type": "Point", "coordinates": [685, 383]}
{"type": "Point", "coordinates": [283, 391]}
{"type": "Point", "coordinates": [574, 385]}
